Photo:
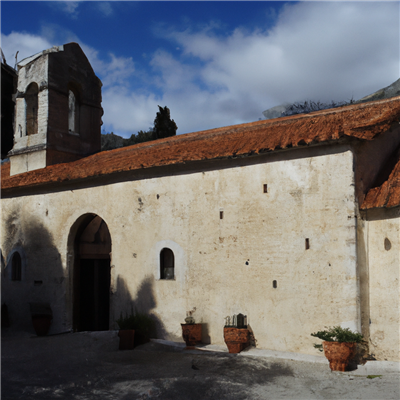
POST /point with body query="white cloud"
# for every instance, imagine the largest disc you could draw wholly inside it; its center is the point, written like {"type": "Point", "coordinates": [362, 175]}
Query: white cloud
{"type": "Point", "coordinates": [115, 70]}
{"type": "Point", "coordinates": [321, 51]}
{"type": "Point", "coordinates": [66, 7]}
{"type": "Point", "coordinates": [24, 43]}
{"type": "Point", "coordinates": [316, 50]}
{"type": "Point", "coordinates": [127, 112]}
{"type": "Point", "coordinates": [70, 7]}
{"type": "Point", "coordinates": [104, 7]}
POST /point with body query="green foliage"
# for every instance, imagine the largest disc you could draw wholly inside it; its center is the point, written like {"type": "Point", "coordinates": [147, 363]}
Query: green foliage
{"type": "Point", "coordinates": [338, 334]}
{"type": "Point", "coordinates": [164, 126]}
{"type": "Point", "coordinates": [373, 376]}
{"type": "Point", "coordinates": [141, 323]}
{"type": "Point", "coordinates": [318, 347]}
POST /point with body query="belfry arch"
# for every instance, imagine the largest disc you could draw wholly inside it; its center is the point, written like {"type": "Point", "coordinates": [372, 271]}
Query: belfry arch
{"type": "Point", "coordinates": [89, 250]}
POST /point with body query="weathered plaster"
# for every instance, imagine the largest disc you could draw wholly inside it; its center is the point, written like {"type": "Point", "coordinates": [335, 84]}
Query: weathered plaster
{"type": "Point", "coordinates": [54, 72]}
{"type": "Point", "coordinates": [222, 266]}
{"type": "Point", "coordinates": [384, 287]}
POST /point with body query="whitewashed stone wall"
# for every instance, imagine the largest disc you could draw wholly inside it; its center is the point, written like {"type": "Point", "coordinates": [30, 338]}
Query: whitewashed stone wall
{"type": "Point", "coordinates": [34, 72]}
{"type": "Point", "coordinates": [222, 266]}
{"type": "Point", "coordinates": [383, 234]}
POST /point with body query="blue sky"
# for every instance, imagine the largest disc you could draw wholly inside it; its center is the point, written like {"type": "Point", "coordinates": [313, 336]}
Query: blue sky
{"type": "Point", "coordinates": [213, 63]}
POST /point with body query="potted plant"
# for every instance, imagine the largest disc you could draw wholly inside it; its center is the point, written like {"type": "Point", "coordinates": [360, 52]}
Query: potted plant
{"type": "Point", "coordinates": [143, 325]}
{"type": "Point", "coordinates": [236, 334]}
{"type": "Point", "coordinates": [41, 317]}
{"type": "Point", "coordinates": [126, 331]}
{"type": "Point", "coordinates": [134, 329]}
{"type": "Point", "coordinates": [191, 332]}
{"type": "Point", "coordinates": [339, 346]}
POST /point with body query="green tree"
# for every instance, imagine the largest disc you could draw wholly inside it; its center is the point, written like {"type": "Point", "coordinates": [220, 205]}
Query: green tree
{"type": "Point", "coordinates": [164, 126]}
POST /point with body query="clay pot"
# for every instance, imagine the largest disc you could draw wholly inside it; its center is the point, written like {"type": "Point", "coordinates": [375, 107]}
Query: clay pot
{"type": "Point", "coordinates": [126, 339]}
{"type": "Point", "coordinates": [191, 334]}
{"type": "Point", "coordinates": [236, 339]}
{"type": "Point", "coordinates": [339, 354]}
{"type": "Point", "coordinates": [41, 324]}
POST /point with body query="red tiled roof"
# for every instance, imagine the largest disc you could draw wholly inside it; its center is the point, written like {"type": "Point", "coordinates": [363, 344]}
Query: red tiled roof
{"type": "Point", "coordinates": [361, 121]}
{"type": "Point", "coordinates": [5, 171]}
{"type": "Point", "coordinates": [387, 195]}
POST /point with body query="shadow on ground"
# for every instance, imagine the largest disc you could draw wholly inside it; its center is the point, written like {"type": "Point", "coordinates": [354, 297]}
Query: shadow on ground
{"type": "Point", "coordinates": [88, 366]}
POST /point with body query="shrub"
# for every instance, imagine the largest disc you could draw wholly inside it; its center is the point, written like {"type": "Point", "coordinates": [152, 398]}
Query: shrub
{"type": "Point", "coordinates": [140, 322]}
{"type": "Point", "coordinates": [338, 334]}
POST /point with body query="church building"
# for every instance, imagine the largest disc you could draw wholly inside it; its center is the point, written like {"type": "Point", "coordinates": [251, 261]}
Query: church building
{"type": "Point", "coordinates": [293, 221]}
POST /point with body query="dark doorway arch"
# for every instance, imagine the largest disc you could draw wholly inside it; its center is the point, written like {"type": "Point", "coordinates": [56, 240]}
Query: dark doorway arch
{"type": "Point", "coordinates": [91, 275]}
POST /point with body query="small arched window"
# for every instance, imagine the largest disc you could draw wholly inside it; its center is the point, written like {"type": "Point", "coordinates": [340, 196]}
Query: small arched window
{"type": "Point", "coordinates": [167, 264]}
{"type": "Point", "coordinates": [16, 266]}
{"type": "Point", "coordinates": [73, 110]}
{"type": "Point", "coordinates": [32, 104]}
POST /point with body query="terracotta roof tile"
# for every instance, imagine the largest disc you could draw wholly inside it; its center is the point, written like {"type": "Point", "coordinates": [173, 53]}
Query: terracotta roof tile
{"type": "Point", "coordinates": [5, 170]}
{"type": "Point", "coordinates": [362, 121]}
{"type": "Point", "coordinates": [387, 195]}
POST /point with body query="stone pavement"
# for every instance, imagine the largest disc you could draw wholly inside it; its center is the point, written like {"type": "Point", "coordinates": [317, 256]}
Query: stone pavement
{"type": "Point", "coordinates": [88, 365]}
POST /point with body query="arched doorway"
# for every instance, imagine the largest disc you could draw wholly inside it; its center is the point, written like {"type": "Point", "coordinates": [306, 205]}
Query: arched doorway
{"type": "Point", "coordinates": [91, 275]}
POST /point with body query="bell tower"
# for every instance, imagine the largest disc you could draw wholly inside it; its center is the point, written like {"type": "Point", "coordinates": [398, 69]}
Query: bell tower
{"type": "Point", "coordinates": [58, 109]}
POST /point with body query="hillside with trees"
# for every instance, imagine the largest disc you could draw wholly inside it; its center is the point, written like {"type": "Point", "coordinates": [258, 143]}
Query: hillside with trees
{"type": "Point", "coordinates": [163, 127]}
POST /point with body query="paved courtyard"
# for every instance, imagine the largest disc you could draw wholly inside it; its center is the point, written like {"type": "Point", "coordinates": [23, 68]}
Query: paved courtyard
{"type": "Point", "coordinates": [90, 366]}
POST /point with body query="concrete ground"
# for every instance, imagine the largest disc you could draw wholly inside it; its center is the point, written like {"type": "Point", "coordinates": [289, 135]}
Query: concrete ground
{"type": "Point", "coordinates": [90, 366]}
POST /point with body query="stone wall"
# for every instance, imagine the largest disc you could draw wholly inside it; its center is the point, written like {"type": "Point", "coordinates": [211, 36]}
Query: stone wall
{"type": "Point", "coordinates": [383, 234]}
{"type": "Point", "coordinates": [224, 263]}
{"type": "Point", "coordinates": [54, 73]}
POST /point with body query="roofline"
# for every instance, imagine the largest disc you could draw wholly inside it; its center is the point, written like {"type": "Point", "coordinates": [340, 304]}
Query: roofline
{"type": "Point", "coordinates": [362, 121]}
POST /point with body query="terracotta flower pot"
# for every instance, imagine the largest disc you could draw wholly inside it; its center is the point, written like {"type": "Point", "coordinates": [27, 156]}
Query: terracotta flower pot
{"type": "Point", "coordinates": [339, 354]}
{"type": "Point", "coordinates": [126, 339]}
{"type": "Point", "coordinates": [191, 334]}
{"type": "Point", "coordinates": [236, 339]}
{"type": "Point", "coordinates": [41, 324]}
{"type": "Point", "coordinates": [41, 317]}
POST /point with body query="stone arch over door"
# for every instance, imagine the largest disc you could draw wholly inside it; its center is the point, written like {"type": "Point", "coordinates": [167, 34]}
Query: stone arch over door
{"type": "Point", "coordinates": [90, 250]}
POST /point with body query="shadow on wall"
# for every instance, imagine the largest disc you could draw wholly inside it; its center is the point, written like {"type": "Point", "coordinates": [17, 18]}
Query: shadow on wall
{"type": "Point", "coordinates": [42, 277]}
{"type": "Point", "coordinates": [144, 302]}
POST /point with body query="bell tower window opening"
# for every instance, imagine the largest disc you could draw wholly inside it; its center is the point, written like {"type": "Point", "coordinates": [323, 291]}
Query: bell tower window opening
{"type": "Point", "coordinates": [16, 265]}
{"type": "Point", "coordinates": [167, 264]}
{"type": "Point", "coordinates": [32, 104]}
{"type": "Point", "coordinates": [73, 110]}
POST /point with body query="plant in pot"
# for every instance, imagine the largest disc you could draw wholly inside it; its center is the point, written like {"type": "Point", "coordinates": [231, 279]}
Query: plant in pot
{"type": "Point", "coordinates": [236, 334]}
{"type": "Point", "coordinates": [134, 329]}
{"type": "Point", "coordinates": [42, 316]}
{"type": "Point", "coordinates": [339, 346]}
{"type": "Point", "coordinates": [144, 326]}
{"type": "Point", "coordinates": [191, 332]}
{"type": "Point", "coordinates": [126, 331]}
